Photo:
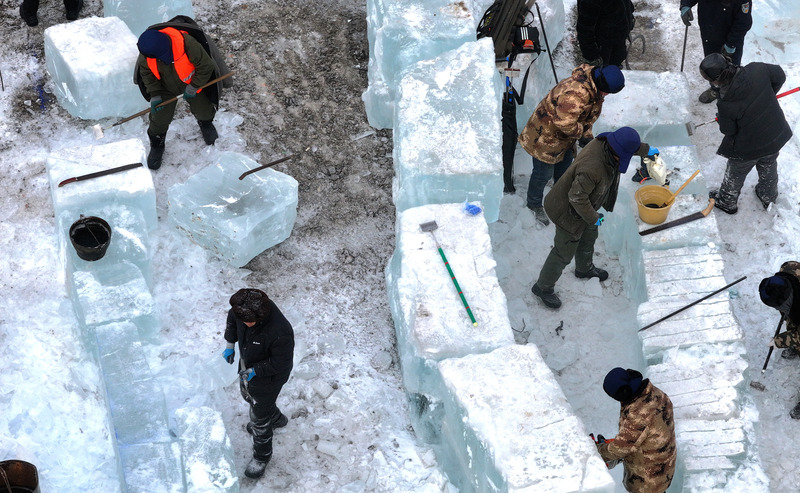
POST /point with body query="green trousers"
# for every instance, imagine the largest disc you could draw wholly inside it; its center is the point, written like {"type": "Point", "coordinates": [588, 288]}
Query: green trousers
{"type": "Point", "coordinates": [565, 248]}
{"type": "Point", "coordinates": [201, 107]}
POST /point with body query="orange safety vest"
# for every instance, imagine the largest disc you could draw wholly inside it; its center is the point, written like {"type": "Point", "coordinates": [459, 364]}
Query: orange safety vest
{"type": "Point", "coordinates": [183, 67]}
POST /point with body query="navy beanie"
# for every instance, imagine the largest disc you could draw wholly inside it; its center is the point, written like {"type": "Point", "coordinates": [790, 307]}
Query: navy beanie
{"type": "Point", "coordinates": [774, 291]}
{"type": "Point", "coordinates": [625, 143]}
{"type": "Point", "coordinates": [621, 384]}
{"type": "Point", "coordinates": [155, 44]}
{"type": "Point", "coordinates": [608, 79]}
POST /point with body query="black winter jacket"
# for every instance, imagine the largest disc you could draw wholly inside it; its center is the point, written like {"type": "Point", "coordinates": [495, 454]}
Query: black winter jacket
{"type": "Point", "coordinates": [750, 116]}
{"type": "Point", "coordinates": [267, 347]}
{"type": "Point", "coordinates": [722, 22]}
{"type": "Point", "coordinates": [602, 22]}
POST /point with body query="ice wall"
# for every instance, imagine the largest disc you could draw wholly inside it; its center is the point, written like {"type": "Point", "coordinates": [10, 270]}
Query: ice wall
{"type": "Point", "coordinates": [91, 63]}
{"type": "Point", "coordinates": [140, 14]}
{"type": "Point", "coordinates": [774, 37]}
{"type": "Point", "coordinates": [447, 140]}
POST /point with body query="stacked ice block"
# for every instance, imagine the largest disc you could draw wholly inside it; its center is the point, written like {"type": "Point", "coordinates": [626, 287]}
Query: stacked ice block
{"type": "Point", "coordinates": [140, 14]}
{"type": "Point", "coordinates": [207, 451]}
{"type": "Point", "coordinates": [235, 219]}
{"type": "Point", "coordinates": [447, 134]}
{"type": "Point", "coordinates": [91, 63]}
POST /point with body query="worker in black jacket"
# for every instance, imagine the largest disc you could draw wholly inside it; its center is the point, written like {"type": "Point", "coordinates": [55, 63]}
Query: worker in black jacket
{"type": "Point", "coordinates": [266, 352]}
{"type": "Point", "coordinates": [723, 25]}
{"type": "Point", "coordinates": [602, 28]}
{"type": "Point", "coordinates": [753, 126]}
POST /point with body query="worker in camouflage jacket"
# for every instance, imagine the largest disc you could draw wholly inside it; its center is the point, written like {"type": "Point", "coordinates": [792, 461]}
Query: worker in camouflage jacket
{"type": "Point", "coordinates": [565, 116]}
{"type": "Point", "coordinates": [646, 440]}
{"type": "Point", "coordinates": [782, 292]}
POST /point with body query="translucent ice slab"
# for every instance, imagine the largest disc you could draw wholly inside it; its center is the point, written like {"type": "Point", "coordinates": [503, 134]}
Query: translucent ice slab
{"type": "Point", "coordinates": [91, 62]}
{"type": "Point", "coordinates": [235, 219]}
{"type": "Point", "coordinates": [140, 14]}
{"type": "Point", "coordinates": [149, 467]}
{"type": "Point", "coordinates": [208, 455]}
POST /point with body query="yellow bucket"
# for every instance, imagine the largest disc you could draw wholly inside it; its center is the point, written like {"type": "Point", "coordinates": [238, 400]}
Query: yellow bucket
{"type": "Point", "coordinates": [653, 196]}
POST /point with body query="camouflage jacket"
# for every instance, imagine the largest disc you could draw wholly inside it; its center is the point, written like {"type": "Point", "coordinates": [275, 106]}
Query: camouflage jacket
{"type": "Point", "coordinates": [791, 338]}
{"type": "Point", "coordinates": [645, 442]}
{"type": "Point", "coordinates": [565, 115]}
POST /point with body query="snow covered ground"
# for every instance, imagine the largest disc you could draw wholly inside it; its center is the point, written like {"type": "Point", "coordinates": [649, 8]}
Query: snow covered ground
{"type": "Point", "coordinates": [349, 429]}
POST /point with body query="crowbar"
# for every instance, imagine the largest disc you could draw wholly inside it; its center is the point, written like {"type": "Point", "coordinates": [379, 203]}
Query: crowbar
{"type": "Point", "coordinates": [690, 127]}
{"type": "Point", "coordinates": [97, 174]}
{"type": "Point", "coordinates": [679, 221]}
{"type": "Point", "coordinates": [273, 163]}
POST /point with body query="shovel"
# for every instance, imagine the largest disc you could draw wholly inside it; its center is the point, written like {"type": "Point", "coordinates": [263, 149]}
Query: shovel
{"type": "Point", "coordinates": [98, 130]}
{"type": "Point", "coordinates": [430, 227]}
{"type": "Point", "coordinates": [672, 197]}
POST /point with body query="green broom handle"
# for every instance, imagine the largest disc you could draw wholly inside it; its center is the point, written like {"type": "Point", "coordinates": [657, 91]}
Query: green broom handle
{"type": "Point", "coordinates": [458, 288]}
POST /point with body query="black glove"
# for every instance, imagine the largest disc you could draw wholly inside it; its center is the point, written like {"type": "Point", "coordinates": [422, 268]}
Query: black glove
{"type": "Point", "coordinates": [584, 140]}
{"type": "Point", "coordinates": [686, 15]}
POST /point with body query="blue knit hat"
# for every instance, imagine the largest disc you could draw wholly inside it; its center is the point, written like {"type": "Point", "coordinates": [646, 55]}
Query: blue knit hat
{"type": "Point", "coordinates": [621, 384]}
{"type": "Point", "coordinates": [774, 291]}
{"type": "Point", "coordinates": [608, 79]}
{"type": "Point", "coordinates": [624, 142]}
{"type": "Point", "coordinates": [155, 44]}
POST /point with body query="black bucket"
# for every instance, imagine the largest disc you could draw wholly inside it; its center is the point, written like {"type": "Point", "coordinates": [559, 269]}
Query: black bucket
{"type": "Point", "coordinates": [18, 476]}
{"type": "Point", "coordinates": [90, 236]}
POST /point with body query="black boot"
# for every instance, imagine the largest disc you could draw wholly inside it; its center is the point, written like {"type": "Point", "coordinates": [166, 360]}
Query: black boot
{"type": "Point", "coordinates": [549, 297]}
{"type": "Point", "coordinates": [795, 413]}
{"type": "Point", "coordinates": [209, 132]}
{"type": "Point", "coordinates": [156, 150]}
{"type": "Point", "coordinates": [255, 468]}
{"type": "Point", "coordinates": [30, 19]}
{"type": "Point", "coordinates": [72, 14]}
{"type": "Point", "coordinates": [721, 204]}
{"type": "Point", "coordinates": [597, 272]}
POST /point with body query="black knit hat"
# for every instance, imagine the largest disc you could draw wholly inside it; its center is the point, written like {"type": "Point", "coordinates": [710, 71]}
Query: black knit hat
{"type": "Point", "coordinates": [621, 384]}
{"type": "Point", "coordinates": [250, 305]}
{"type": "Point", "coordinates": [774, 290]}
{"type": "Point", "coordinates": [712, 66]}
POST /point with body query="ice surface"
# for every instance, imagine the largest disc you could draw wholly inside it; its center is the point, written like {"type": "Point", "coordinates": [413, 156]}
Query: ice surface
{"type": "Point", "coordinates": [151, 467]}
{"type": "Point", "coordinates": [132, 189]}
{"type": "Point", "coordinates": [447, 139]}
{"type": "Point", "coordinates": [208, 457]}
{"type": "Point", "coordinates": [499, 408]}
{"type": "Point", "coordinates": [430, 320]}
{"type": "Point", "coordinates": [235, 219]}
{"type": "Point", "coordinates": [140, 14]}
{"type": "Point", "coordinates": [401, 33]}
{"type": "Point", "coordinates": [91, 63]}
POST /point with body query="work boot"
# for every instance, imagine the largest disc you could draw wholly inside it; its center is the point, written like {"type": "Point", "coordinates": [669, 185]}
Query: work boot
{"type": "Point", "coordinates": [726, 208]}
{"type": "Point", "coordinates": [279, 423]}
{"type": "Point", "coordinates": [708, 96]}
{"type": "Point", "coordinates": [764, 201]}
{"type": "Point", "coordinates": [549, 297]}
{"type": "Point", "coordinates": [593, 272]}
{"type": "Point", "coordinates": [209, 132]}
{"type": "Point", "coordinates": [30, 19]}
{"type": "Point", "coordinates": [795, 412]}
{"type": "Point", "coordinates": [540, 215]}
{"type": "Point", "coordinates": [72, 14]}
{"type": "Point", "coordinates": [156, 150]}
{"type": "Point", "coordinates": [255, 468]}
{"type": "Point", "coordinates": [789, 353]}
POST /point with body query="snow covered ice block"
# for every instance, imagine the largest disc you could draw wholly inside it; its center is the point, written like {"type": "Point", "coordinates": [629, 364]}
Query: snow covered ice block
{"type": "Point", "coordinates": [140, 14]}
{"type": "Point", "coordinates": [235, 219]}
{"type": "Point", "coordinates": [500, 408]}
{"type": "Point", "coordinates": [151, 467]}
{"type": "Point", "coordinates": [447, 135]}
{"type": "Point", "coordinates": [429, 317]}
{"type": "Point", "coordinates": [208, 455]}
{"type": "Point", "coordinates": [401, 33]}
{"type": "Point", "coordinates": [91, 63]}
{"type": "Point", "coordinates": [136, 402]}
{"type": "Point", "coordinates": [656, 104]}
{"type": "Point", "coordinates": [132, 189]}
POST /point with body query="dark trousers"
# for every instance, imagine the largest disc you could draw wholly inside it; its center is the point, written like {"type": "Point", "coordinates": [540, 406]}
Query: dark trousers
{"type": "Point", "coordinates": [32, 6]}
{"type": "Point", "coordinates": [737, 171]}
{"type": "Point", "coordinates": [201, 107]}
{"type": "Point", "coordinates": [565, 248]}
{"type": "Point", "coordinates": [541, 174]}
{"type": "Point", "coordinates": [263, 414]}
{"type": "Point", "coordinates": [613, 53]}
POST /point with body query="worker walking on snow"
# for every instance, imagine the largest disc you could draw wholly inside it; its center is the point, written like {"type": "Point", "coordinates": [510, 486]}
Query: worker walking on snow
{"type": "Point", "coordinates": [782, 292]}
{"type": "Point", "coordinates": [562, 118]}
{"type": "Point", "coordinates": [645, 442]}
{"type": "Point", "coordinates": [172, 63]}
{"type": "Point", "coordinates": [266, 352]}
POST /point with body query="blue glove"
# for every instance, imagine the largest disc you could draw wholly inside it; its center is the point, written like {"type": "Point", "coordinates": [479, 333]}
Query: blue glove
{"type": "Point", "coordinates": [728, 49]}
{"type": "Point", "coordinates": [154, 102]}
{"type": "Point", "coordinates": [190, 92]}
{"type": "Point", "coordinates": [652, 152]}
{"type": "Point", "coordinates": [229, 354]}
{"type": "Point", "coordinates": [686, 15]}
{"type": "Point", "coordinates": [247, 374]}
{"type": "Point", "coordinates": [599, 220]}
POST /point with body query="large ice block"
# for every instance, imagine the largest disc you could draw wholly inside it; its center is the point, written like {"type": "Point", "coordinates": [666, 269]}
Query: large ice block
{"type": "Point", "coordinates": [135, 399]}
{"type": "Point", "coordinates": [429, 317]}
{"type": "Point", "coordinates": [448, 143]}
{"type": "Point", "coordinates": [132, 189]}
{"type": "Point", "coordinates": [235, 219]}
{"type": "Point", "coordinates": [151, 467]}
{"type": "Point", "coordinates": [140, 14]}
{"type": "Point", "coordinates": [500, 407]}
{"type": "Point", "coordinates": [208, 457]}
{"type": "Point", "coordinates": [91, 63]}
{"type": "Point", "coordinates": [401, 33]}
